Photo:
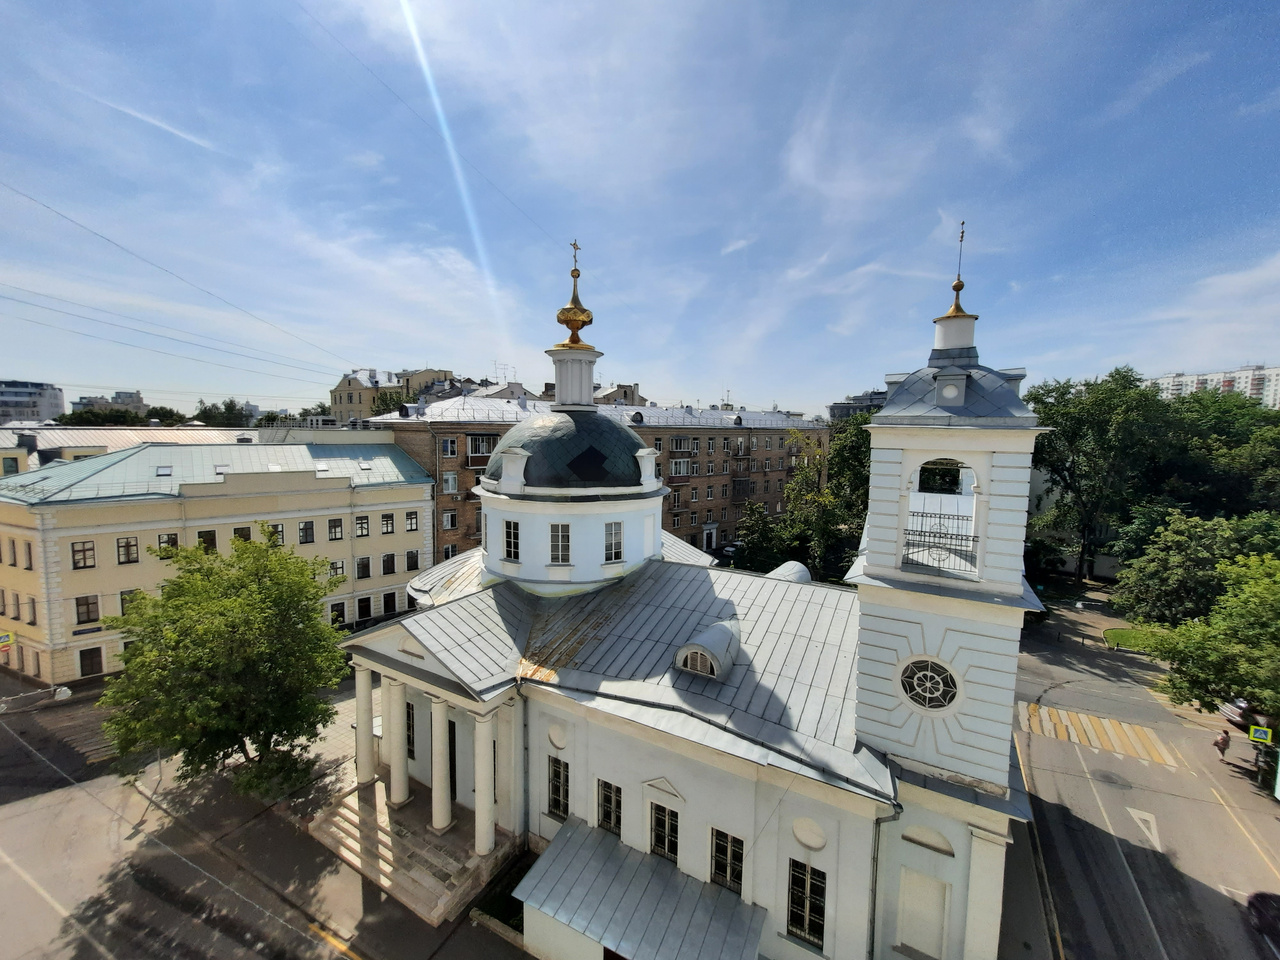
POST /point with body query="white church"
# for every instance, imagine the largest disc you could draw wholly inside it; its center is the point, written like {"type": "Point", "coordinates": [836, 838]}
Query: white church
{"type": "Point", "coordinates": [713, 763]}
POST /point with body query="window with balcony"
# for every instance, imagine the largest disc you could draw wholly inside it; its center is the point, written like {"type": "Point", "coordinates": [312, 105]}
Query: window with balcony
{"type": "Point", "coordinates": [679, 444]}
{"type": "Point", "coordinates": [678, 468]}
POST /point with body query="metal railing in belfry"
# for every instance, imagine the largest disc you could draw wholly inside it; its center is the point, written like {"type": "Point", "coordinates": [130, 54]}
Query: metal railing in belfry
{"type": "Point", "coordinates": [940, 543]}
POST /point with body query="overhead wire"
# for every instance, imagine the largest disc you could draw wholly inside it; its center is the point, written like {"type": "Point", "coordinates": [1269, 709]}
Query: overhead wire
{"type": "Point", "coordinates": [163, 269]}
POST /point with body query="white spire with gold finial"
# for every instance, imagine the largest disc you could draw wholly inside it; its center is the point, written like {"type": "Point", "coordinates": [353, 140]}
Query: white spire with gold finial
{"type": "Point", "coordinates": [574, 360]}
{"type": "Point", "coordinates": [954, 329]}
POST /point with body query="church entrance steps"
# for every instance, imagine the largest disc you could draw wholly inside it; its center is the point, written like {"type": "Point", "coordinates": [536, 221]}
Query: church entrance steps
{"type": "Point", "coordinates": [434, 876]}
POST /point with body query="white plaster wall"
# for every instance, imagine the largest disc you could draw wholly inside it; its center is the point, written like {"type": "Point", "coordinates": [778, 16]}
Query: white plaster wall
{"type": "Point", "coordinates": [896, 853]}
{"type": "Point", "coordinates": [549, 939]}
{"type": "Point", "coordinates": [970, 738]}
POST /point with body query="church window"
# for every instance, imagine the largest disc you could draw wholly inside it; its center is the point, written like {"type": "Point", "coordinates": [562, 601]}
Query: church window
{"type": "Point", "coordinates": [726, 860]}
{"type": "Point", "coordinates": [698, 662]}
{"type": "Point", "coordinates": [512, 541]}
{"type": "Point", "coordinates": [557, 788]}
{"type": "Point", "coordinates": [613, 541]}
{"type": "Point", "coordinates": [609, 812]}
{"type": "Point", "coordinates": [560, 543]}
{"type": "Point", "coordinates": [664, 832]}
{"type": "Point", "coordinates": [807, 903]}
{"type": "Point", "coordinates": [928, 684]}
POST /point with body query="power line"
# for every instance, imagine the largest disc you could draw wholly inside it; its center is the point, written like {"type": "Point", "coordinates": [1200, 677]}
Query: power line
{"type": "Point", "coordinates": [176, 276]}
{"type": "Point", "coordinates": [153, 323]}
{"type": "Point", "coordinates": [147, 333]}
{"type": "Point", "coordinates": [199, 394]}
{"type": "Point", "coordinates": [164, 353]}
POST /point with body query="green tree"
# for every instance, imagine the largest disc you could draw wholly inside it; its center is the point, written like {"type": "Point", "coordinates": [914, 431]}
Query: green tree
{"type": "Point", "coordinates": [388, 402]}
{"type": "Point", "coordinates": [228, 413]}
{"type": "Point", "coordinates": [319, 410]}
{"type": "Point", "coordinates": [227, 662]}
{"type": "Point", "coordinates": [1180, 575]}
{"type": "Point", "coordinates": [849, 470]}
{"type": "Point", "coordinates": [817, 521]}
{"type": "Point", "coordinates": [764, 542]}
{"type": "Point", "coordinates": [167, 416]}
{"type": "Point", "coordinates": [1106, 436]}
{"type": "Point", "coordinates": [102, 418]}
{"type": "Point", "coordinates": [1235, 650]}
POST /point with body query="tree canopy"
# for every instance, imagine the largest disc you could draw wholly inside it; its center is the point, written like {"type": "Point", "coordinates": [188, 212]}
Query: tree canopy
{"type": "Point", "coordinates": [102, 418]}
{"type": "Point", "coordinates": [388, 401]}
{"type": "Point", "coordinates": [228, 413]}
{"type": "Point", "coordinates": [227, 661]}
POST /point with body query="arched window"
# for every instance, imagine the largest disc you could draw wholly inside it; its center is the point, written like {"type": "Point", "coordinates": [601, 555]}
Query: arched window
{"type": "Point", "coordinates": [698, 662]}
{"type": "Point", "coordinates": [929, 684]}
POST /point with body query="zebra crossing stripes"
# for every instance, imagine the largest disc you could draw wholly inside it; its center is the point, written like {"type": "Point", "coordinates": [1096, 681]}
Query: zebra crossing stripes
{"type": "Point", "coordinates": [1102, 733]}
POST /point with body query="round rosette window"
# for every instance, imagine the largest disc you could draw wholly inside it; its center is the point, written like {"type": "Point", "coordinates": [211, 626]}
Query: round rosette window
{"type": "Point", "coordinates": [929, 684]}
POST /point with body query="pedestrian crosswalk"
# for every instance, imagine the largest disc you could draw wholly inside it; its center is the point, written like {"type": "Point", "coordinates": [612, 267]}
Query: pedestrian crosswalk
{"type": "Point", "coordinates": [1101, 733]}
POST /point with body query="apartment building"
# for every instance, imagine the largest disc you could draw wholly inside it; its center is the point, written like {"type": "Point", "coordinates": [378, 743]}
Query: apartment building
{"type": "Point", "coordinates": [25, 400]}
{"type": "Point", "coordinates": [74, 536]}
{"type": "Point", "coordinates": [130, 400]}
{"type": "Point", "coordinates": [354, 396]}
{"type": "Point", "coordinates": [1260, 382]}
{"type": "Point", "coordinates": [715, 461]}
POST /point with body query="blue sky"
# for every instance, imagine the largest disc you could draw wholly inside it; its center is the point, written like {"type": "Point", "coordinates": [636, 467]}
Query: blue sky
{"type": "Point", "coordinates": [767, 195]}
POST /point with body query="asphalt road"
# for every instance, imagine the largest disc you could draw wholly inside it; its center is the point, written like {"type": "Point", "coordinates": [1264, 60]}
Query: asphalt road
{"type": "Point", "coordinates": [1146, 859]}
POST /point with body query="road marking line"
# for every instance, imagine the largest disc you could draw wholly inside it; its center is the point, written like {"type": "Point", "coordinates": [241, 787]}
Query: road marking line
{"type": "Point", "coordinates": [1081, 722]}
{"type": "Point", "coordinates": [1024, 715]}
{"type": "Point", "coordinates": [1100, 729]}
{"type": "Point", "coordinates": [1183, 759]}
{"type": "Point", "coordinates": [1137, 740]}
{"type": "Point", "coordinates": [1120, 851]}
{"type": "Point", "coordinates": [334, 942]}
{"type": "Point", "coordinates": [57, 907]}
{"type": "Point", "coordinates": [1155, 747]}
{"type": "Point", "coordinates": [1041, 870]}
{"type": "Point", "coordinates": [1034, 710]}
{"type": "Point", "coordinates": [1077, 732]}
{"type": "Point", "coordinates": [1245, 831]}
{"type": "Point", "coordinates": [1118, 739]}
{"type": "Point", "coordinates": [1148, 824]}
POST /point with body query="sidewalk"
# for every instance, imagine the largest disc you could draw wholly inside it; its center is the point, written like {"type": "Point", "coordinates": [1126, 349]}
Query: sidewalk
{"type": "Point", "coordinates": [272, 845]}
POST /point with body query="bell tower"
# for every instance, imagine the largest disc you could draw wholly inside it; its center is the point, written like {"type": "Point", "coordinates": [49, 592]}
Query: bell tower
{"type": "Point", "coordinates": [939, 573]}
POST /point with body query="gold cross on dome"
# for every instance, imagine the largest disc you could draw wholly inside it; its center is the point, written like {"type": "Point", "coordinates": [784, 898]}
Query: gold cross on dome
{"type": "Point", "coordinates": [576, 248]}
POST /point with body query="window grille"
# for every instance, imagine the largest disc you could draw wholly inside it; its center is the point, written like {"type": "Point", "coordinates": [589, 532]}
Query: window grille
{"type": "Point", "coordinates": [928, 684]}
{"type": "Point", "coordinates": [664, 832]}
{"type": "Point", "coordinates": [807, 903]}
{"type": "Point", "coordinates": [940, 544]}
{"type": "Point", "coordinates": [698, 662]}
{"type": "Point", "coordinates": [609, 808]}
{"type": "Point", "coordinates": [726, 860]}
{"type": "Point", "coordinates": [557, 788]}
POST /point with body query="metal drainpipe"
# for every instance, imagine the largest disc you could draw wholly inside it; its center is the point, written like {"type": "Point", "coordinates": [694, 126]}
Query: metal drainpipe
{"type": "Point", "coordinates": [524, 727]}
{"type": "Point", "coordinates": [875, 873]}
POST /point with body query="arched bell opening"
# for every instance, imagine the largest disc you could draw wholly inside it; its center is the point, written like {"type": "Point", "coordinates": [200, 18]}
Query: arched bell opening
{"type": "Point", "coordinates": [939, 538]}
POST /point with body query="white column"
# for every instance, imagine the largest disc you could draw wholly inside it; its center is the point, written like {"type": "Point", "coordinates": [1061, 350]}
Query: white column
{"type": "Point", "coordinates": [484, 784]}
{"type": "Point", "coordinates": [364, 725]}
{"type": "Point", "coordinates": [441, 805]}
{"type": "Point", "coordinates": [986, 895]}
{"type": "Point", "coordinates": [395, 738]}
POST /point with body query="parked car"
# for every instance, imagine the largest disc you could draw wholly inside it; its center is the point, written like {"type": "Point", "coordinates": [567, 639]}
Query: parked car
{"type": "Point", "coordinates": [1263, 910]}
{"type": "Point", "coordinates": [1239, 713]}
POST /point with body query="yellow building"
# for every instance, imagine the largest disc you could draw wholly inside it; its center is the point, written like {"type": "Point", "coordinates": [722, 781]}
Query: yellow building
{"type": "Point", "coordinates": [356, 392]}
{"type": "Point", "coordinates": [74, 536]}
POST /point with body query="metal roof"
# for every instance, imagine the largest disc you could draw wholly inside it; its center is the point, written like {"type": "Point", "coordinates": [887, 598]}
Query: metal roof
{"type": "Point", "coordinates": [791, 689]}
{"type": "Point", "coordinates": [121, 438]}
{"type": "Point", "coordinates": [473, 409]}
{"type": "Point", "coordinates": [638, 904]}
{"type": "Point", "coordinates": [990, 397]}
{"type": "Point", "coordinates": [572, 449]}
{"type": "Point", "coordinates": [136, 472]}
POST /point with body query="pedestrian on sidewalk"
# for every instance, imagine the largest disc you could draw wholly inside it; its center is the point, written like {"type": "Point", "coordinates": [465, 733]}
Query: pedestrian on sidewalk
{"type": "Point", "coordinates": [1221, 742]}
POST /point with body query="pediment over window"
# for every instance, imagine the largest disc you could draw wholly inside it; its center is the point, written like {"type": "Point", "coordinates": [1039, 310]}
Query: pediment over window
{"type": "Point", "coordinates": [663, 785]}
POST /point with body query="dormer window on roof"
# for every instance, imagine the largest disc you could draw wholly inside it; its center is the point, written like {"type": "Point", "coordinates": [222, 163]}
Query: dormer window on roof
{"type": "Point", "coordinates": [711, 652]}
{"type": "Point", "coordinates": [366, 465]}
{"type": "Point", "coordinates": [221, 468]}
{"type": "Point", "coordinates": [165, 471]}
{"type": "Point", "coordinates": [322, 467]}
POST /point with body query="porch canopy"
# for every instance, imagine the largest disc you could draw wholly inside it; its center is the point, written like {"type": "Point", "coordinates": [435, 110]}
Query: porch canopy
{"type": "Point", "coordinates": [637, 904]}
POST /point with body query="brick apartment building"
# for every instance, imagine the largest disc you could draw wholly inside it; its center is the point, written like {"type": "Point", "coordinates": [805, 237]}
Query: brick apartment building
{"type": "Point", "coordinates": [715, 461]}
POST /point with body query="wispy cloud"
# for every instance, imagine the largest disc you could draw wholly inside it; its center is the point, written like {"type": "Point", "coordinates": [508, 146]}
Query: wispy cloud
{"type": "Point", "coordinates": [734, 246]}
{"type": "Point", "coordinates": [155, 122]}
{"type": "Point", "coordinates": [1157, 75]}
{"type": "Point", "coordinates": [1267, 104]}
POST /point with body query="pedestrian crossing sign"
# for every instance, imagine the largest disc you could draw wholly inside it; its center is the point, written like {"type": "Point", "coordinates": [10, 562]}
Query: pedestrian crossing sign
{"type": "Point", "coordinates": [1260, 734]}
{"type": "Point", "coordinates": [6, 642]}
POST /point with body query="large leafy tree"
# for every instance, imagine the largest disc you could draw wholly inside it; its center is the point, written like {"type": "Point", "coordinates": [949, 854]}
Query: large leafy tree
{"type": "Point", "coordinates": [388, 401]}
{"type": "Point", "coordinates": [228, 413]}
{"type": "Point", "coordinates": [227, 663]}
{"type": "Point", "coordinates": [101, 418]}
{"type": "Point", "coordinates": [1107, 437]}
{"type": "Point", "coordinates": [167, 416]}
{"type": "Point", "coordinates": [1235, 650]}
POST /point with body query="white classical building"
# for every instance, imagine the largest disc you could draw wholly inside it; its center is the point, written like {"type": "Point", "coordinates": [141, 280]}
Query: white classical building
{"type": "Point", "coordinates": [715, 763]}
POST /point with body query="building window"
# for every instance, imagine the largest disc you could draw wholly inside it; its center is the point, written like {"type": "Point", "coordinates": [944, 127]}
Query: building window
{"type": "Point", "coordinates": [31, 611]}
{"type": "Point", "coordinates": [711, 492]}
{"type": "Point", "coordinates": [209, 539]}
{"type": "Point", "coordinates": [242, 533]}
{"type": "Point", "coordinates": [364, 608]}
{"type": "Point", "coordinates": [127, 598]}
{"type": "Point", "coordinates": [448, 447]}
{"type": "Point", "coordinates": [557, 788]}
{"type": "Point", "coordinates": [766, 486]}
{"type": "Point", "coordinates": [167, 541]}
{"type": "Point", "coordinates": [664, 832]}
{"type": "Point", "coordinates": [609, 808]}
{"type": "Point", "coordinates": [388, 523]}
{"type": "Point", "coordinates": [724, 444]}
{"type": "Point", "coordinates": [675, 521]}
{"type": "Point", "coordinates": [768, 443]}
{"type": "Point", "coordinates": [82, 555]}
{"type": "Point", "coordinates": [86, 609]}
{"type": "Point", "coordinates": [307, 531]}
{"type": "Point", "coordinates": [388, 604]}
{"type": "Point", "coordinates": [512, 541]}
{"type": "Point", "coordinates": [693, 493]}
{"type": "Point", "coordinates": [411, 559]}
{"type": "Point", "coordinates": [726, 860]}
{"type": "Point", "coordinates": [753, 443]}
{"type": "Point", "coordinates": [10, 466]}
{"type": "Point", "coordinates": [678, 468]}
{"type": "Point", "coordinates": [675, 499]}
{"type": "Point", "coordinates": [450, 551]}
{"type": "Point", "coordinates": [337, 614]}
{"type": "Point", "coordinates": [698, 662]}
{"type": "Point", "coordinates": [807, 903]}
{"type": "Point", "coordinates": [724, 466]}
{"type": "Point", "coordinates": [695, 444]}
{"type": "Point", "coordinates": [91, 662]}
{"type": "Point", "coordinates": [411, 521]}
{"type": "Point", "coordinates": [449, 520]}
{"type": "Point", "coordinates": [657, 444]}
{"type": "Point", "coordinates": [126, 550]}
{"type": "Point", "coordinates": [449, 483]}
{"type": "Point", "coordinates": [559, 543]}
{"type": "Point", "coordinates": [480, 446]}
{"type": "Point", "coordinates": [26, 555]}
{"type": "Point", "coordinates": [388, 564]}
{"type": "Point", "coordinates": [363, 570]}
{"type": "Point", "coordinates": [362, 526]}
{"type": "Point", "coordinates": [613, 541]}
{"type": "Point", "coordinates": [337, 568]}
{"type": "Point", "coordinates": [275, 533]}
{"type": "Point", "coordinates": [408, 728]}
{"type": "Point", "coordinates": [2, 602]}
{"type": "Point", "coordinates": [928, 684]}
{"type": "Point", "coordinates": [335, 529]}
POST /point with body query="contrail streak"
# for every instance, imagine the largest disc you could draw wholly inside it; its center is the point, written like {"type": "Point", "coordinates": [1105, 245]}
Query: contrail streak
{"type": "Point", "coordinates": [464, 194]}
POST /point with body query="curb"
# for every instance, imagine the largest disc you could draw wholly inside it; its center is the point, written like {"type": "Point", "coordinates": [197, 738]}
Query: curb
{"type": "Point", "coordinates": [496, 926]}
